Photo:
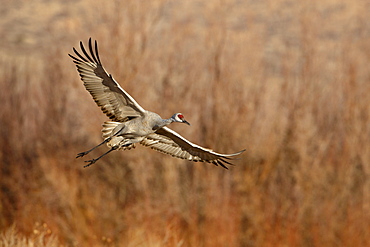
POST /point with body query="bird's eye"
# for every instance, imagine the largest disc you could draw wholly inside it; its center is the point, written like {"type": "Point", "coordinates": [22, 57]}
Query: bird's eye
{"type": "Point", "coordinates": [180, 116]}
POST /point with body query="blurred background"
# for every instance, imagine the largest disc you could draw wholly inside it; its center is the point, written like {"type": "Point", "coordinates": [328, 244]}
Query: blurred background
{"type": "Point", "coordinates": [287, 80]}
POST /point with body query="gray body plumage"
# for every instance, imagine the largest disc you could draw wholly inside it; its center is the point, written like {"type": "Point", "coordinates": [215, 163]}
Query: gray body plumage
{"type": "Point", "coordinates": [134, 130]}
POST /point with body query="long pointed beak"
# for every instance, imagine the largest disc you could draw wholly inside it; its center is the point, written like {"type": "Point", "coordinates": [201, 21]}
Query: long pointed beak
{"type": "Point", "coordinates": [184, 121]}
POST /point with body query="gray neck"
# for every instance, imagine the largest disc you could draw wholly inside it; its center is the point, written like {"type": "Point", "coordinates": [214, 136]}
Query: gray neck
{"type": "Point", "coordinates": [163, 122]}
{"type": "Point", "coordinates": [167, 121]}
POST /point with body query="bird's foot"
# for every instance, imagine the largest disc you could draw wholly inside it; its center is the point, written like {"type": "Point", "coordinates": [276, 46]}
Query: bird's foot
{"type": "Point", "coordinates": [82, 154]}
{"type": "Point", "coordinates": [90, 162]}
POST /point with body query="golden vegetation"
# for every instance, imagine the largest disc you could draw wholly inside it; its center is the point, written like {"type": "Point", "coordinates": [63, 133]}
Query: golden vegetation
{"type": "Point", "coordinates": [41, 237]}
{"type": "Point", "coordinates": [288, 80]}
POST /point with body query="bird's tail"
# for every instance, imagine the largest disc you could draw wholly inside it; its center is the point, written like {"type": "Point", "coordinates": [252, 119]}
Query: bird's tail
{"type": "Point", "coordinates": [108, 128]}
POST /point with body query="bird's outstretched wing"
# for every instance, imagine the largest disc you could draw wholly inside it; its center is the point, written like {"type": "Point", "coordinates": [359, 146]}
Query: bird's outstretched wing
{"type": "Point", "coordinates": [115, 102]}
{"type": "Point", "coordinates": [170, 142]}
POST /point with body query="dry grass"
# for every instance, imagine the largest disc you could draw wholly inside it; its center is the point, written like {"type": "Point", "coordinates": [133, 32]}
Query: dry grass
{"type": "Point", "coordinates": [41, 237]}
{"type": "Point", "coordinates": [288, 80]}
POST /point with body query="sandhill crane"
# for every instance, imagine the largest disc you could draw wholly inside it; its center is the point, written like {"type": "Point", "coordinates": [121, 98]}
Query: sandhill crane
{"type": "Point", "coordinates": [130, 122]}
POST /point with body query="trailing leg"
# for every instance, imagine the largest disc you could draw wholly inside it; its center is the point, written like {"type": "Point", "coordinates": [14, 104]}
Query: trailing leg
{"type": "Point", "coordinates": [95, 160]}
{"type": "Point", "coordinates": [88, 151]}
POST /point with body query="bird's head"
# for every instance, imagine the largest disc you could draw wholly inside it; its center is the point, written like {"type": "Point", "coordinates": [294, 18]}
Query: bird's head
{"type": "Point", "coordinates": [178, 117]}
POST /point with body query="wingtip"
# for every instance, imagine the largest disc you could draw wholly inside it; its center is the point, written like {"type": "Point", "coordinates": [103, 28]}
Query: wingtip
{"type": "Point", "coordinates": [241, 151]}
{"type": "Point", "coordinates": [90, 43]}
{"type": "Point", "coordinates": [237, 153]}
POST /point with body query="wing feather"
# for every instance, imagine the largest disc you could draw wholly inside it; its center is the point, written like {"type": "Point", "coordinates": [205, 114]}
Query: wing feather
{"type": "Point", "coordinates": [170, 142]}
{"type": "Point", "coordinates": [115, 102]}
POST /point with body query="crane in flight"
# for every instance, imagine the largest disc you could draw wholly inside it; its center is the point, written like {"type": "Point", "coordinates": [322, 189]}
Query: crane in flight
{"type": "Point", "coordinates": [130, 123]}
